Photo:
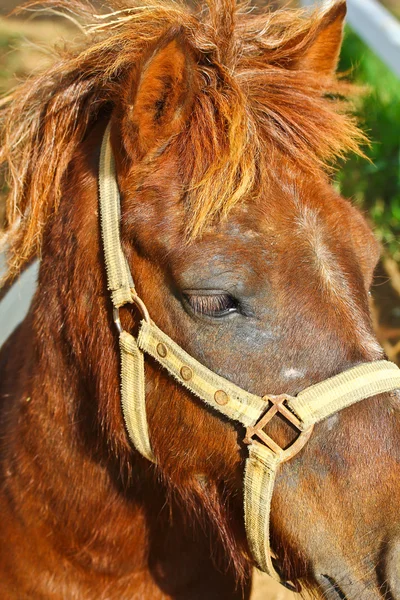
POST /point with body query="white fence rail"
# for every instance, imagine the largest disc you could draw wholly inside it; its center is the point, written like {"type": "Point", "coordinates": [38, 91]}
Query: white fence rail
{"type": "Point", "coordinates": [376, 26]}
{"type": "Point", "coordinates": [17, 300]}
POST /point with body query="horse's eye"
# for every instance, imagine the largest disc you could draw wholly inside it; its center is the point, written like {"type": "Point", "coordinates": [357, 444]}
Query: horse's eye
{"type": "Point", "coordinates": [215, 305]}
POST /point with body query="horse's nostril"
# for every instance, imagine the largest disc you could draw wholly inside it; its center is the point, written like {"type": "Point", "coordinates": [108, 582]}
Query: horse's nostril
{"type": "Point", "coordinates": [331, 589]}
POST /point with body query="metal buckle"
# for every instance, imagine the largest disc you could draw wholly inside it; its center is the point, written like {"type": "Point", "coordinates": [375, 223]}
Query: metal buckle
{"type": "Point", "coordinates": [278, 406]}
{"type": "Point", "coordinates": [138, 302]}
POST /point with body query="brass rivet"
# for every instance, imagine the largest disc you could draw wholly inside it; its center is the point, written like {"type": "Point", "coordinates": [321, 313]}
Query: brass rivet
{"type": "Point", "coordinates": [186, 373]}
{"type": "Point", "coordinates": [221, 397]}
{"type": "Point", "coordinates": [162, 350]}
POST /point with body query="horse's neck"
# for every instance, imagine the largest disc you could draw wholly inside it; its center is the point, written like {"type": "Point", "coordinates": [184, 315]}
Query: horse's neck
{"type": "Point", "coordinates": [78, 497]}
{"type": "Point", "coordinates": [63, 480]}
{"type": "Point", "coordinates": [72, 526]}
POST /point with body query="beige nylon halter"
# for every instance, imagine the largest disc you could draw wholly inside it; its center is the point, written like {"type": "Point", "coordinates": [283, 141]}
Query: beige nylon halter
{"type": "Point", "coordinates": [309, 407]}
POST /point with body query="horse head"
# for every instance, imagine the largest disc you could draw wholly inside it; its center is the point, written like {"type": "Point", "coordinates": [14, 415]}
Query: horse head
{"type": "Point", "coordinates": [245, 255]}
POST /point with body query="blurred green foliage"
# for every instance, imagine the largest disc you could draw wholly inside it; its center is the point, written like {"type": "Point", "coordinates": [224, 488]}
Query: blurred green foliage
{"type": "Point", "coordinates": [8, 41]}
{"type": "Point", "coordinates": [375, 185]}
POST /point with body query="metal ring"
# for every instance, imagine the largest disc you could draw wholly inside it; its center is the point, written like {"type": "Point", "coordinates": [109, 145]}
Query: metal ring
{"type": "Point", "coordinates": [117, 320]}
{"type": "Point", "coordinates": [138, 302]}
{"type": "Point", "coordinates": [141, 305]}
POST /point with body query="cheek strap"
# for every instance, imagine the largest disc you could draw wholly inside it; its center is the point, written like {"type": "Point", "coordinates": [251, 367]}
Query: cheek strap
{"type": "Point", "coordinates": [310, 406]}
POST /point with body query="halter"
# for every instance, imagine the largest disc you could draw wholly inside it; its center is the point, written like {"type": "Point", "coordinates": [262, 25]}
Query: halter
{"type": "Point", "coordinates": [303, 411]}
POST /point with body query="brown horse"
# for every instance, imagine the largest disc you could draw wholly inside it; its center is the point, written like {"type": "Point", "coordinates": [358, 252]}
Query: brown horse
{"type": "Point", "coordinates": [223, 121]}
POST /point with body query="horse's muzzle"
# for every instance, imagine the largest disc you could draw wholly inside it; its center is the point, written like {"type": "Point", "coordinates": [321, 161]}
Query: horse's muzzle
{"type": "Point", "coordinates": [392, 570]}
{"type": "Point", "coordinates": [347, 587]}
{"type": "Point", "coordinates": [348, 579]}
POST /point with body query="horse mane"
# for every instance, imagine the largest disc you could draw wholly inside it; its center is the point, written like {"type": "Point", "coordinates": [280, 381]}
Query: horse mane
{"type": "Point", "coordinates": [251, 110]}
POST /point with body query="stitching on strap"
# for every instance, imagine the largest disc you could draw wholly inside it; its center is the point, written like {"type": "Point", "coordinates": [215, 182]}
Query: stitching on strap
{"type": "Point", "coordinates": [241, 406]}
{"type": "Point", "coordinates": [133, 397]}
{"type": "Point", "coordinates": [323, 399]}
{"type": "Point", "coordinates": [119, 277]}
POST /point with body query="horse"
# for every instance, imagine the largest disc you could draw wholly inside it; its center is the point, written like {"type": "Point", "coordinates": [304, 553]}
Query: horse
{"type": "Point", "coordinates": [225, 124]}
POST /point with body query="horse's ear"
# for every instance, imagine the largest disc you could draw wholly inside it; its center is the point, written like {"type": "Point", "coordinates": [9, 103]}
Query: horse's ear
{"type": "Point", "coordinates": [322, 55]}
{"type": "Point", "coordinates": [163, 94]}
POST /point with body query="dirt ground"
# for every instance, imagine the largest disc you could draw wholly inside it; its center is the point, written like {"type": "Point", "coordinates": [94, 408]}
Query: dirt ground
{"type": "Point", "coordinates": [266, 588]}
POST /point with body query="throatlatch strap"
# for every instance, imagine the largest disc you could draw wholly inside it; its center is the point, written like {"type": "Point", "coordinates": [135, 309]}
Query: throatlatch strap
{"type": "Point", "coordinates": [133, 397]}
{"type": "Point", "coordinates": [119, 277]}
{"type": "Point", "coordinates": [310, 406]}
{"type": "Point", "coordinates": [120, 283]}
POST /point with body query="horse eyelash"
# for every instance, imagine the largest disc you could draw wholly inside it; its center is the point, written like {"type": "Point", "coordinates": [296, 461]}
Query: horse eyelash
{"type": "Point", "coordinates": [212, 305]}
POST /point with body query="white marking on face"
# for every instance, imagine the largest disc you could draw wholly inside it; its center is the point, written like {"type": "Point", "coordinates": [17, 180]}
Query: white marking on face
{"type": "Point", "coordinates": [312, 231]}
{"type": "Point", "coordinates": [332, 421]}
{"type": "Point", "coordinates": [251, 234]}
{"type": "Point", "coordinates": [292, 373]}
{"type": "Point", "coordinates": [333, 278]}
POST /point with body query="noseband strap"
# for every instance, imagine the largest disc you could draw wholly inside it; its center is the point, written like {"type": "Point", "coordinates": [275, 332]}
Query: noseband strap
{"type": "Point", "coordinates": [310, 406]}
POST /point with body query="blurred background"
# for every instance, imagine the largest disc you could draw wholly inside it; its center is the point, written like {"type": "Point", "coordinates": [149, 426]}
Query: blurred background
{"type": "Point", "coordinates": [373, 185]}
